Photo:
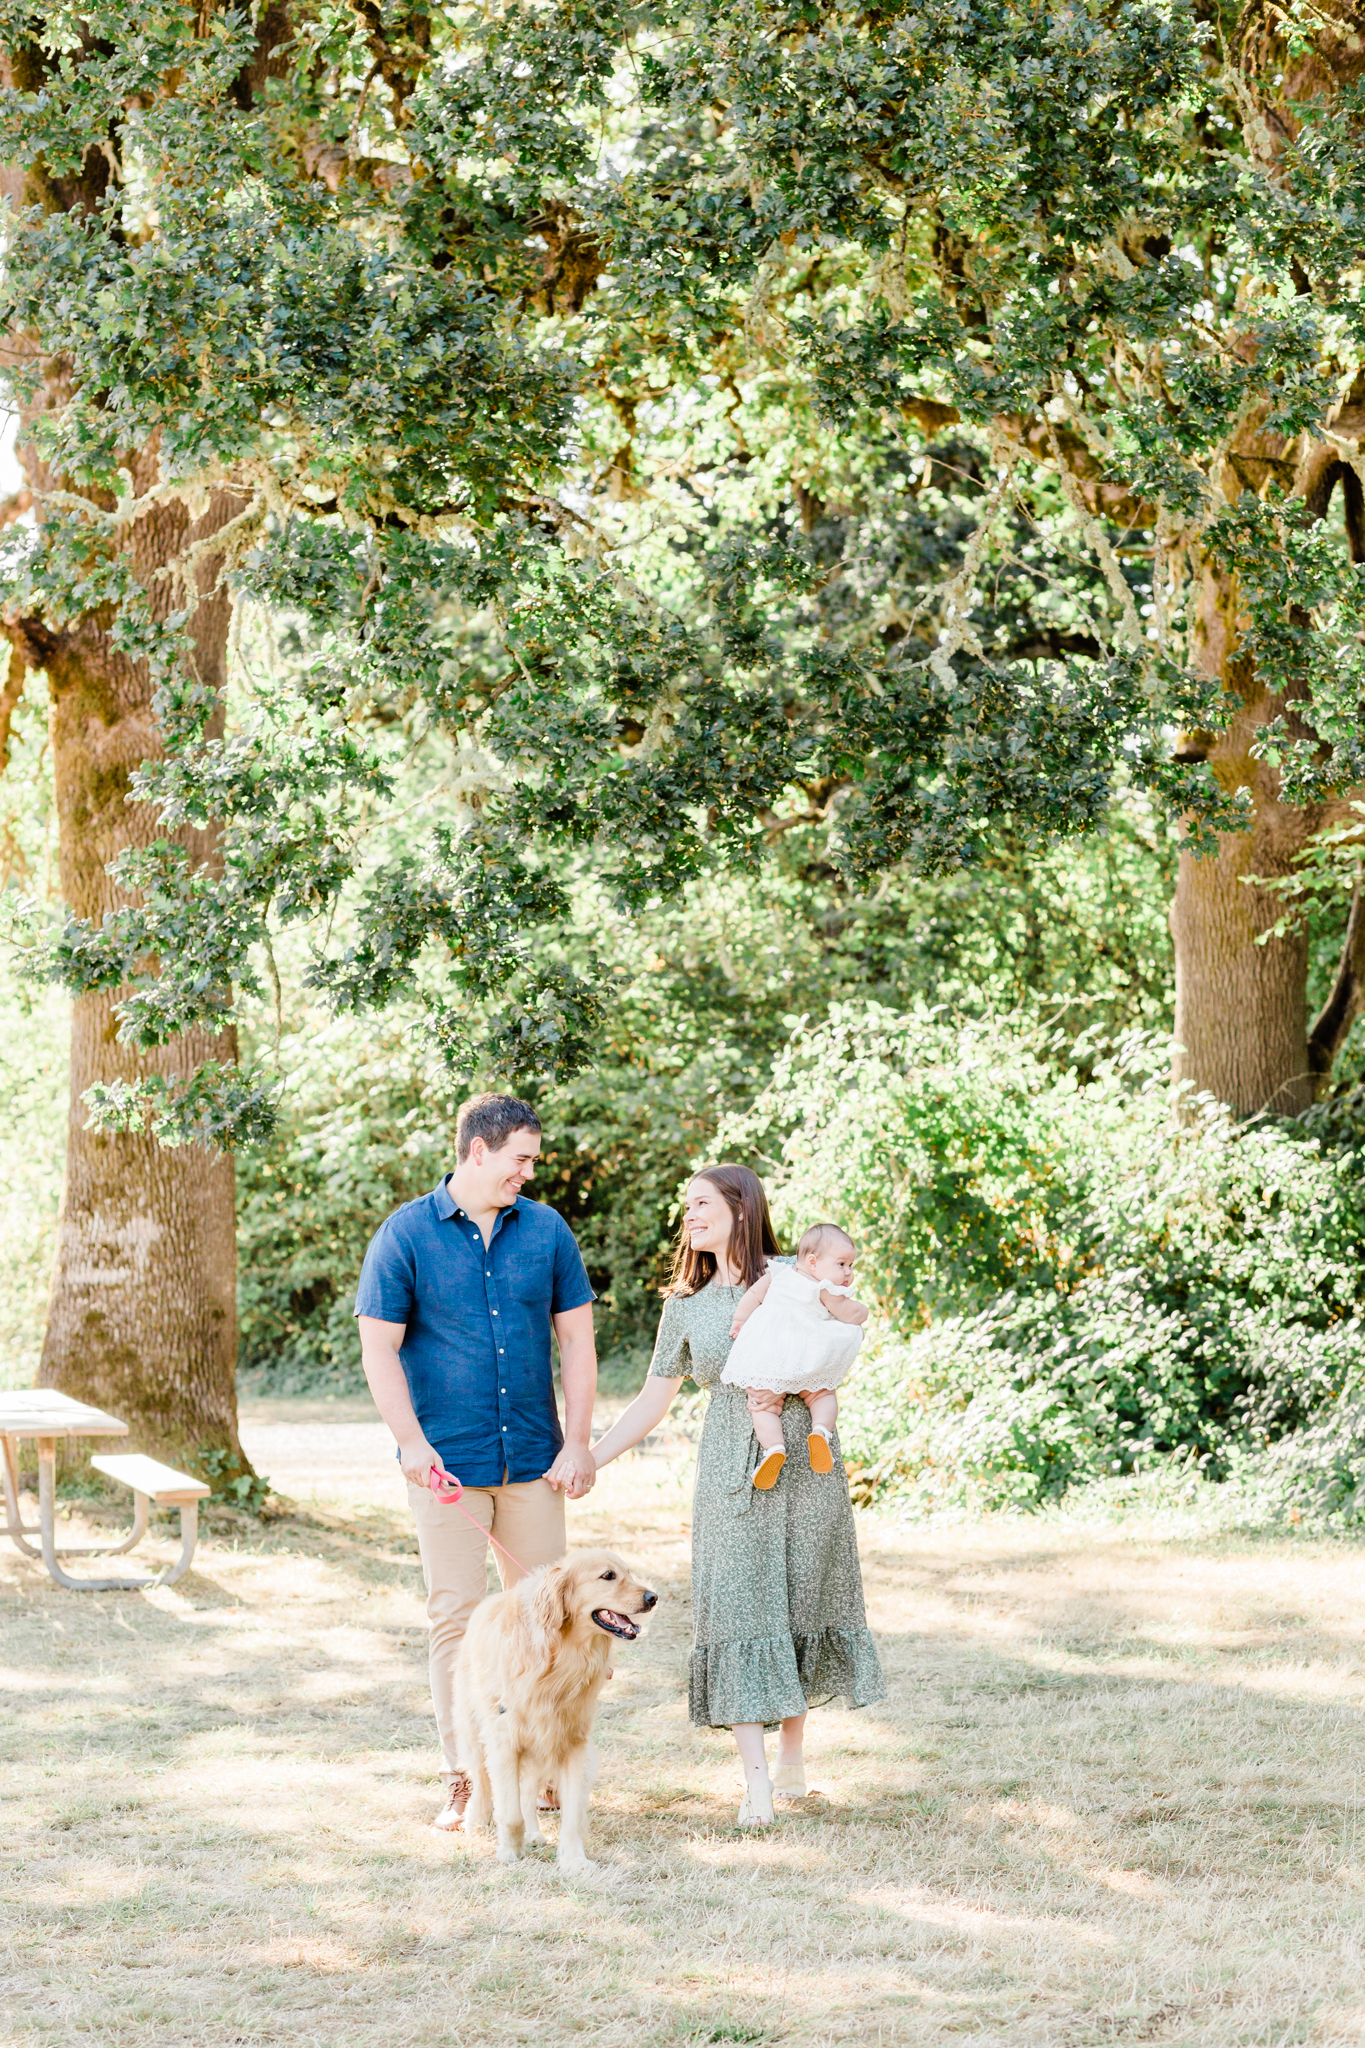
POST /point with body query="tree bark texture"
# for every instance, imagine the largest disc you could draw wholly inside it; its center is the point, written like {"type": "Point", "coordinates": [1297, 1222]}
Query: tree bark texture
{"type": "Point", "coordinates": [142, 1318]}
{"type": "Point", "coordinates": [1241, 1021]}
{"type": "Point", "coordinates": [1241, 1015]}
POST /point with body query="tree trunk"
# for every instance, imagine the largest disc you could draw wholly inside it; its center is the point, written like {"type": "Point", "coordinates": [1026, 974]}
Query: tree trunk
{"type": "Point", "coordinates": [1241, 1002]}
{"type": "Point", "coordinates": [142, 1318]}
{"type": "Point", "coordinates": [1241, 1018]}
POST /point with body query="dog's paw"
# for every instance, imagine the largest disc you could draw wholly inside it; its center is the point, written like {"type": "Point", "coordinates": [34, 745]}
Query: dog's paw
{"type": "Point", "coordinates": [535, 1841]}
{"type": "Point", "coordinates": [576, 1866]}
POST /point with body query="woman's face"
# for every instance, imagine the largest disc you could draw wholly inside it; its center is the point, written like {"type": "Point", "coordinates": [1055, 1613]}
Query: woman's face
{"type": "Point", "coordinates": [706, 1218]}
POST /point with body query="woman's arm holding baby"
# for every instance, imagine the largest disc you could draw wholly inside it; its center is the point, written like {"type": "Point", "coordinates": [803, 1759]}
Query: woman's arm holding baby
{"type": "Point", "coordinates": [749, 1302]}
{"type": "Point", "coordinates": [843, 1308]}
{"type": "Point", "coordinates": [649, 1407]}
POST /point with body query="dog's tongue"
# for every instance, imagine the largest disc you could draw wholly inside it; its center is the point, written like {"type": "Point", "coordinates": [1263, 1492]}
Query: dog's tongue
{"type": "Point", "coordinates": [621, 1623]}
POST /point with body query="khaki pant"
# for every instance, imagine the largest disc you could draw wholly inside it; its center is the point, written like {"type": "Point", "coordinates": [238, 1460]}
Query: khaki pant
{"type": "Point", "coordinates": [527, 1519]}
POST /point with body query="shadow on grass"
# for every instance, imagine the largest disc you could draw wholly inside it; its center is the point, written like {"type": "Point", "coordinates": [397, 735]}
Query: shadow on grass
{"type": "Point", "coordinates": [220, 1797]}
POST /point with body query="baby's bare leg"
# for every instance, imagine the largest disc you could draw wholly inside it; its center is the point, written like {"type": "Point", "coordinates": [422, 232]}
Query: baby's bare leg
{"type": "Point", "coordinates": [765, 1413]}
{"type": "Point", "coordinates": [823, 1403]}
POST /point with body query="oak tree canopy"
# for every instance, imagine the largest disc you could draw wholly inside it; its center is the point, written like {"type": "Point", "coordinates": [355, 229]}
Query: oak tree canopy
{"type": "Point", "coordinates": [911, 420]}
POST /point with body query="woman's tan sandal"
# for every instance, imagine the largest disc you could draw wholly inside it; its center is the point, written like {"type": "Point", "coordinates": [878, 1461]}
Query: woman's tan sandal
{"type": "Point", "coordinates": [821, 1457]}
{"type": "Point", "coordinates": [756, 1810]}
{"type": "Point", "coordinates": [769, 1466]}
{"type": "Point", "coordinates": [789, 1781]}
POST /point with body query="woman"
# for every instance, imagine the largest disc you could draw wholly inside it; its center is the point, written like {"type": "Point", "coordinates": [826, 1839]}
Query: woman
{"type": "Point", "coordinates": [777, 1596]}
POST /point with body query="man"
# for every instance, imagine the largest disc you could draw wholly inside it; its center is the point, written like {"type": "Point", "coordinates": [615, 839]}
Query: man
{"type": "Point", "coordinates": [457, 1298]}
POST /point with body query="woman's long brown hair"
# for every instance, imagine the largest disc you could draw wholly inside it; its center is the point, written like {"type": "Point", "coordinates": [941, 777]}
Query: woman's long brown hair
{"type": "Point", "coordinates": [753, 1240]}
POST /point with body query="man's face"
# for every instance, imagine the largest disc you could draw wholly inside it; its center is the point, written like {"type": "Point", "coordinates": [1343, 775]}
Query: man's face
{"type": "Point", "coordinates": [503, 1174]}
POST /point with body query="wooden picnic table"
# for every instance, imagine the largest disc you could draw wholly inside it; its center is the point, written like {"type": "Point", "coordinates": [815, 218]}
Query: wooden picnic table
{"type": "Point", "coordinates": [47, 1416]}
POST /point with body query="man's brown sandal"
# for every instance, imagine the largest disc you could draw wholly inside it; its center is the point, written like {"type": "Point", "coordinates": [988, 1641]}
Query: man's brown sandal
{"type": "Point", "coordinates": [458, 1793]}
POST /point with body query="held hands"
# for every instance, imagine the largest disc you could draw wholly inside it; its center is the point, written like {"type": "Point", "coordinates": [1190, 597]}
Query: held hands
{"type": "Point", "coordinates": [574, 1471]}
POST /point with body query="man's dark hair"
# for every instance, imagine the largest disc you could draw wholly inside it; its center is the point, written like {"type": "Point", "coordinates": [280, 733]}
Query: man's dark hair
{"type": "Point", "coordinates": [493, 1118]}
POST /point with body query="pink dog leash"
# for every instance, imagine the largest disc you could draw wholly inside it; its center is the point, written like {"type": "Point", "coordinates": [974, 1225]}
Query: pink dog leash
{"type": "Point", "coordinates": [447, 1489]}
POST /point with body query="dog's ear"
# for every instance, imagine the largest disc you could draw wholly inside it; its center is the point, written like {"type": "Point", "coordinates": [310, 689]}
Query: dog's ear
{"type": "Point", "coordinates": [548, 1599]}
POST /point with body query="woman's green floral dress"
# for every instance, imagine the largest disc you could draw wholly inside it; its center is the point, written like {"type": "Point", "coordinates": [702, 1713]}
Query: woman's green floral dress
{"type": "Point", "coordinates": [777, 1596]}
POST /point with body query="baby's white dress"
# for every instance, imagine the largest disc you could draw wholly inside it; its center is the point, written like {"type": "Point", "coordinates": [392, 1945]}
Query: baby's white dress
{"type": "Point", "coordinates": [791, 1344]}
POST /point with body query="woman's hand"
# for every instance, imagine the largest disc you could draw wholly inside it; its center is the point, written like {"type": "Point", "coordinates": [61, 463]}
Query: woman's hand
{"type": "Point", "coordinates": [575, 1470]}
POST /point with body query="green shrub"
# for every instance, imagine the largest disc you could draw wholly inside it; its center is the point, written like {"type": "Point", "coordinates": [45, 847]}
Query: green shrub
{"type": "Point", "coordinates": [231, 1488]}
{"type": "Point", "coordinates": [707, 987]}
{"type": "Point", "coordinates": [1069, 1280]}
{"type": "Point", "coordinates": [1315, 1476]}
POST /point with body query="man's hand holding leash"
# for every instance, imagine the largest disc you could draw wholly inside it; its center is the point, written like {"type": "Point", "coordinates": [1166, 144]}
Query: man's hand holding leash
{"type": "Point", "coordinates": [417, 1459]}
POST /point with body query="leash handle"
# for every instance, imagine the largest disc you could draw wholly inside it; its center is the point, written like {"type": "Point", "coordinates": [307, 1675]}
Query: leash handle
{"type": "Point", "coordinates": [438, 1479]}
{"type": "Point", "coordinates": [447, 1489]}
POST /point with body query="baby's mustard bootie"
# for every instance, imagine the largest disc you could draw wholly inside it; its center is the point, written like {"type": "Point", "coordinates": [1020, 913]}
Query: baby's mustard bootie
{"type": "Point", "coordinates": [769, 1466]}
{"type": "Point", "coordinates": [821, 1456]}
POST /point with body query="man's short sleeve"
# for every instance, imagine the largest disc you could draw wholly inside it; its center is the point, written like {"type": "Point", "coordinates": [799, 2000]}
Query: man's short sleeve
{"type": "Point", "coordinates": [572, 1286]}
{"type": "Point", "coordinates": [386, 1278]}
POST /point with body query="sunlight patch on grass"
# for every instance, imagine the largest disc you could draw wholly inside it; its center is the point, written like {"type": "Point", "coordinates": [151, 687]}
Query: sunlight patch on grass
{"type": "Point", "coordinates": [1110, 1798]}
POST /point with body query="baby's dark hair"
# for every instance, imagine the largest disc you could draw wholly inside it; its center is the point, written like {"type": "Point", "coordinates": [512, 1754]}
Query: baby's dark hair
{"type": "Point", "coordinates": [821, 1236]}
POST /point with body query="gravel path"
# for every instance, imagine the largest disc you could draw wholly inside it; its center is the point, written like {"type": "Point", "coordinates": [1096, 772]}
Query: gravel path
{"type": "Point", "coordinates": [325, 1461]}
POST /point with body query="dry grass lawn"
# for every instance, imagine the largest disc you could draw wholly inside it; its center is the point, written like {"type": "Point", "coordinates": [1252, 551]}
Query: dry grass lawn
{"type": "Point", "coordinates": [1113, 1796]}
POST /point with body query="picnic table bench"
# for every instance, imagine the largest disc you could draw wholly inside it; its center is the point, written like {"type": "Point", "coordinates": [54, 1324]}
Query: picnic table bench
{"type": "Point", "coordinates": [41, 1413]}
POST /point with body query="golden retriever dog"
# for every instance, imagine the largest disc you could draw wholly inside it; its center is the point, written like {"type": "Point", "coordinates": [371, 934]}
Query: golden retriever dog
{"type": "Point", "coordinates": [531, 1668]}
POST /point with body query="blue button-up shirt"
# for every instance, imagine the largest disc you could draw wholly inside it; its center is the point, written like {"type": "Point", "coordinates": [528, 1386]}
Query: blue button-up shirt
{"type": "Point", "coordinates": [476, 1349]}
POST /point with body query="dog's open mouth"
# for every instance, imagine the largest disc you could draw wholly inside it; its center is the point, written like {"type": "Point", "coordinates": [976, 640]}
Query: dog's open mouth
{"type": "Point", "coordinates": [615, 1624]}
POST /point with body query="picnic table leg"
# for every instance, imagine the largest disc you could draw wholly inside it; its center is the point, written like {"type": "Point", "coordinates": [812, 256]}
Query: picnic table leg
{"type": "Point", "coordinates": [15, 1526]}
{"type": "Point", "coordinates": [189, 1536]}
{"type": "Point", "coordinates": [20, 1530]}
{"type": "Point", "coordinates": [47, 1516]}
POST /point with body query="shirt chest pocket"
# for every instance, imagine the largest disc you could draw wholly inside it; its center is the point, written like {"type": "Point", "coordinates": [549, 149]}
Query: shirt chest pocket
{"type": "Point", "coordinates": [527, 1278]}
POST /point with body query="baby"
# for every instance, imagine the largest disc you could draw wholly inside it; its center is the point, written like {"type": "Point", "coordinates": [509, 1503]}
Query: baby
{"type": "Point", "coordinates": [797, 1332]}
